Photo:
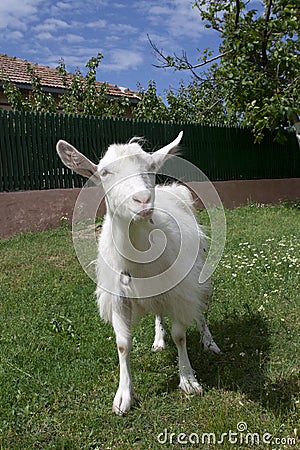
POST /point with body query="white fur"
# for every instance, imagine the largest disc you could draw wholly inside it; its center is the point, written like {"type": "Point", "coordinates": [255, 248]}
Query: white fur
{"type": "Point", "coordinates": [142, 220]}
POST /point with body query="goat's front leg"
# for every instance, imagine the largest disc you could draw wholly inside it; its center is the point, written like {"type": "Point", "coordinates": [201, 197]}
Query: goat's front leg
{"type": "Point", "coordinates": [188, 382]}
{"type": "Point", "coordinates": [121, 320]}
{"type": "Point", "coordinates": [160, 332]}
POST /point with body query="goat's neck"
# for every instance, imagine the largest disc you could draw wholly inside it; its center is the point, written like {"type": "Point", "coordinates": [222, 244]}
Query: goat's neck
{"type": "Point", "coordinates": [129, 235]}
{"type": "Point", "coordinates": [139, 235]}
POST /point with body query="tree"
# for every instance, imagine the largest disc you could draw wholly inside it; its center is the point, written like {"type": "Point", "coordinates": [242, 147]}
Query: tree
{"type": "Point", "coordinates": [199, 102]}
{"type": "Point", "coordinates": [151, 106]}
{"type": "Point", "coordinates": [37, 100]}
{"type": "Point", "coordinates": [82, 94]}
{"type": "Point", "coordinates": [86, 96]}
{"type": "Point", "coordinates": [196, 102]}
{"type": "Point", "coordinates": [256, 74]}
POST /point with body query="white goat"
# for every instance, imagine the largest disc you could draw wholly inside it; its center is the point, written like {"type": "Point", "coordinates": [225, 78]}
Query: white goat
{"type": "Point", "coordinates": [150, 254]}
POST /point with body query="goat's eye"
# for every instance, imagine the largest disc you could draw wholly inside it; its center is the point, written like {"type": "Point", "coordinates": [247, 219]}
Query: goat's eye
{"type": "Point", "coordinates": [104, 173]}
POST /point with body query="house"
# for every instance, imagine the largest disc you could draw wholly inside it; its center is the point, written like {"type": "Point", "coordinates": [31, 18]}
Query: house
{"type": "Point", "coordinates": [16, 70]}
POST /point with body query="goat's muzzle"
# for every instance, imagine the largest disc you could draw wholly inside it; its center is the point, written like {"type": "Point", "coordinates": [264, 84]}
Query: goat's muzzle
{"type": "Point", "coordinates": [146, 213]}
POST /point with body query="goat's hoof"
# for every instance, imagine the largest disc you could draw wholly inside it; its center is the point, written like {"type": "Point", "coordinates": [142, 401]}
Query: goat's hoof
{"type": "Point", "coordinates": [190, 385]}
{"type": "Point", "coordinates": [212, 348]}
{"type": "Point", "coordinates": [122, 402]}
{"type": "Point", "coordinates": [158, 346]}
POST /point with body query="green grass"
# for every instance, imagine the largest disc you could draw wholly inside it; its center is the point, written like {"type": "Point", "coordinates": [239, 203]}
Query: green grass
{"type": "Point", "coordinates": [59, 365]}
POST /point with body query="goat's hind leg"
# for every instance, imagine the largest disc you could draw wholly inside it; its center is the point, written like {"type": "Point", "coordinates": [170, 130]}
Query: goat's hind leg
{"type": "Point", "coordinates": [160, 333]}
{"type": "Point", "coordinates": [121, 321]}
{"type": "Point", "coordinates": [188, 382]}
{"type": "Point", "coordinates": [206, 337]}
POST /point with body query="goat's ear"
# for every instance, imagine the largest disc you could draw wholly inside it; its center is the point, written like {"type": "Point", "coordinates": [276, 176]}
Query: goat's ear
{"type": "Point", "coordinates": [75, 160]}
{"type": "Point", "coordinates": [161, 155]}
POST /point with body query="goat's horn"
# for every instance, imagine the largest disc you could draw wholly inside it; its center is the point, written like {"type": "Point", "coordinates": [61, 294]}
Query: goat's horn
{"type": "Point", "coordinates": [173, 144]}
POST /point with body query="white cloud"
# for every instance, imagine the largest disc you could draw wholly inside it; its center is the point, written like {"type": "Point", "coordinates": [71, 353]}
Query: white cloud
{"type": "Point", "coordinates": [159, 10]}
{"type": "Point", "coordinates": [52, 24]}
{"type": "Point", "coordinates": [74, 6]}
{"type": "Point", "coordinates": [177, 18]}
{"type": "Point", "coordinates": [96, 24]}
{"type": "Point", "coordinates": [122, 59]}
{"type": "Point", "coordinates": [16, 35]}
{"type": "Point", "coordinates": [72, 38]}
{"type": "Point", "coordinates": [65, 38]}
{"type": "Point", "coordinates": [15, 14]}
{"type": "Point", "coordinates": [123, 28]}
{"type": "Point", "coordinates": [44, 35]}
{"type": "Point", "coordinates": [64, 5]}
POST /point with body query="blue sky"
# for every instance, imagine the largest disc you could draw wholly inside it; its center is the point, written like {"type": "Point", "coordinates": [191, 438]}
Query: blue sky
{"type": "Point", "coordinates": [44, 31]}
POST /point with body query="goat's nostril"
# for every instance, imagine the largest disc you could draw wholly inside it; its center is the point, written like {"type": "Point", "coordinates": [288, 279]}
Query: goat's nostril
{"type": "Point", "coordinates": [142, 197]}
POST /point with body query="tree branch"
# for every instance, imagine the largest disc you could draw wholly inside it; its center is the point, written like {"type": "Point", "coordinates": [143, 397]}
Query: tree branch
{"type": "Point", "coordinates": [290, 84]}
{"type": "Point", "coordinates": [266, 34]}
{"type": "Point", "coordinates": [181, 63]}
{"type": "Point", "coordinates": [237, 13]}
{"type": "Point", "coordinates": [212, 106]}
{"type": "Point", "coordinates": [207, 61]}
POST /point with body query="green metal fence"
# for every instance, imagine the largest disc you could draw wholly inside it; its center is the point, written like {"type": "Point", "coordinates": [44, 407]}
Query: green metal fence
{"type": "Point", "coordinates": [28, 159]}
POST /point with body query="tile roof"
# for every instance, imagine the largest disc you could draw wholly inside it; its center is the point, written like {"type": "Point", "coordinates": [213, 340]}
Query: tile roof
{"type": "Point", "coordinates": [16, 70]}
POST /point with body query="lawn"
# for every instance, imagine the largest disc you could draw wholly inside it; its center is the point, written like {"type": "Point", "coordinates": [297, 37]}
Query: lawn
{"type": "Point", "coordinates": [59, 365]}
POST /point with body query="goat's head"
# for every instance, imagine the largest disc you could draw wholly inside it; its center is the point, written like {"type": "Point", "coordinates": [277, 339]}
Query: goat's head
{"type": "Point", "coordinates": [127, 174]}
